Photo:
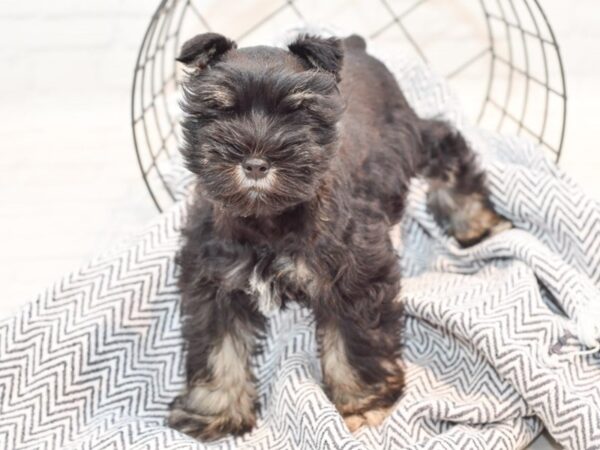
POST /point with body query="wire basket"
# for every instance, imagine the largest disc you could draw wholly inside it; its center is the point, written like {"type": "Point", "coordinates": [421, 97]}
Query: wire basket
{"type": "Point", "coordinates": [500, 56]}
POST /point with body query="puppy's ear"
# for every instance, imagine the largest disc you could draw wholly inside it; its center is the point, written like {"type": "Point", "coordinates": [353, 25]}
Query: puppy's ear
{"type": "Point", "coordinates": [203, 49]}
{"type": "Point", "coordinates": [319, 53]}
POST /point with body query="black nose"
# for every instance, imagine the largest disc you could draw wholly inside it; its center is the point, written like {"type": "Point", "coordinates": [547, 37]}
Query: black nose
{"type": "Point", "coordinates": [256, 168]}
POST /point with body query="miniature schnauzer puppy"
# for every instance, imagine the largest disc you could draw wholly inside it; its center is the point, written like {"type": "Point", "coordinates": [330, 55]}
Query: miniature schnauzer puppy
{"type": "Point", "coordinates": [303, 158]}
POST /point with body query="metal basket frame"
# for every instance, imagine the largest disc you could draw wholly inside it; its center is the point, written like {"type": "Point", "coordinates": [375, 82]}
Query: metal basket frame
{"type": "Point", "coordinates": [155, 73]}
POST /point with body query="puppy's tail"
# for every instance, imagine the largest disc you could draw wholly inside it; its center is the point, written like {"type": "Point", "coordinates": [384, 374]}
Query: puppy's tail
{"type": "Point", "coordinates": [355, 42]}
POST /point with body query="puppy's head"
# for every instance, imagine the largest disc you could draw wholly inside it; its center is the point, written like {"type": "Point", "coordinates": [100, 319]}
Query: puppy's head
{"type": "Point", "coordinates": [259, 123]}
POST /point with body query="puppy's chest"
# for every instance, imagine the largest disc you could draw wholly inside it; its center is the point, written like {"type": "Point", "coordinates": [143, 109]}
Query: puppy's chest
{"type": "Point", "coordinates": [273, 281]}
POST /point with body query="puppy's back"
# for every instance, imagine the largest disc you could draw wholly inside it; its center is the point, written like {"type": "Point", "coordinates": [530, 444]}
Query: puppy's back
{"type": "Point", "coordinates": [378, 129]}
{"type": "Point", "coordinates": [369, 88]}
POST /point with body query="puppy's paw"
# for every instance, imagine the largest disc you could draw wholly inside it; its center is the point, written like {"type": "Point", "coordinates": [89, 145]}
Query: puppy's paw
{"type": "Point", "coordinates": [469, 218]}
{"type": "Point", "coordinates": [209, 427]}
{"type": "Point", "coordinates": [476, 221]}
{"type": "Point", "coordinates": [372, 404]}
{"type": "Point", "coordinates": [371, 418]}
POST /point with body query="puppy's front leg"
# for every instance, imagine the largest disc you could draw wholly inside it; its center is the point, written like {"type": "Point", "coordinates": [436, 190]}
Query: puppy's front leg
{"type": "Point", "coordinates": [360, 351]}
{"type": "Point", "coordinates": [220, 397]}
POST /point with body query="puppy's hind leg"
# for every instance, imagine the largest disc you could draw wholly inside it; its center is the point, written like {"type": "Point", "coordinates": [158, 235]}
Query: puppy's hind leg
{"type": "Point", "coordinates": [458, 195]}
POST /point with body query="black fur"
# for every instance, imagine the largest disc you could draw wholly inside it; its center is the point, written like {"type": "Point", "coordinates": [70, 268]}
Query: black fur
{"type": "Point", "coordinates": [343, 153]}
{"type": "Point", "coordinates": [204, 49]}
{"type": "Point", "coordinates": [319, 53]}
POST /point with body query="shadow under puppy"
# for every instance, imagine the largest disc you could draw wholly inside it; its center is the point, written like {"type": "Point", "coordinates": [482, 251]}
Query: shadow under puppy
{"type": "Point", "coordinates": [303, 159]}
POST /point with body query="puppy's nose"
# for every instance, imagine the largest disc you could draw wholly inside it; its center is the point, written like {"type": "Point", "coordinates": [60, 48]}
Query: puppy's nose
{"type": "Point", "coordinates": [256, 168]}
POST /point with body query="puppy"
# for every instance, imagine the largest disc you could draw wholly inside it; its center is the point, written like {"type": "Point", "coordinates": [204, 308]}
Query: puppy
{"type": "Point", "coordinates": [303, 158]}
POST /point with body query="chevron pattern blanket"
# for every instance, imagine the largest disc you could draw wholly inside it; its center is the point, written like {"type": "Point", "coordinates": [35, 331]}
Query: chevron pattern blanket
{"type": "Point", "coordinates": [500, 341]}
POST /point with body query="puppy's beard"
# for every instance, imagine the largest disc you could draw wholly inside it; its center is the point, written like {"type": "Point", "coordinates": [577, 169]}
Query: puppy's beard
{"type": "Point", "coordinates": [255, 186]}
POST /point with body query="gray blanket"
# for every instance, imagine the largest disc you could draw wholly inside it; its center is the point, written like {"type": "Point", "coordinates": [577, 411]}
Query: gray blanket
{"type": "Point", "coordinates": [500, 339]}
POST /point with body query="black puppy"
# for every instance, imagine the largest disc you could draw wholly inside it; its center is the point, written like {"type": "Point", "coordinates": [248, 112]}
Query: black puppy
{"type": "Point", "coordinates": [303, 159]}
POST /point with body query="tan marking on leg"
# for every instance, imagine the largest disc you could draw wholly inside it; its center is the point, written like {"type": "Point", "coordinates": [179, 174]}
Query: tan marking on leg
{"type": "Point", "coordinates": [468, 218]}
{"type": "Point", "coordinates": [354, 422]}
{"type": "Point", "coordinates": [352, 398]}
{"type": "Point", "coordinates": [475, 219]}
{"type": "Point", "coordinates": [230, 391]}
{"type": "Point", "coordinates": [370, 418]}
{"type": "Point", "coordinates": [346, 389]}
{"type": "Point", "coordinates": [375, 417]}
{"type": "Point", "coordinates": [337, 372]}
{"type": "Point", "coordinates": [224, 403]}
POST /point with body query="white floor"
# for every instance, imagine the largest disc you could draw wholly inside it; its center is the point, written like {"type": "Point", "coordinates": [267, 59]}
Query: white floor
{"type": "Point", "coordinates": [69, 183]}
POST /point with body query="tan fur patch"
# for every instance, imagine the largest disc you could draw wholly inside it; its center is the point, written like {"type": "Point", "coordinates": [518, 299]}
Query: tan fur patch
{"type": "Point", "coordinates": [298, 98]}
{"type": "Point", "coordinates": [371, 418]}
{"type": "Point", "coordinates": [354, 422]}
{"type": "Point", "coordinates": [473, 220]}
{"type": "Point", "coordinates": [467, 217]}
{"type": "Point", "coordinates": [344, 384]}
{"type": "Point", "coordinates": [230, 392]}
{"type": "Point", "coordinates": [351, 397]}
{"type": "Point", "coordinates": [219, 97]}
